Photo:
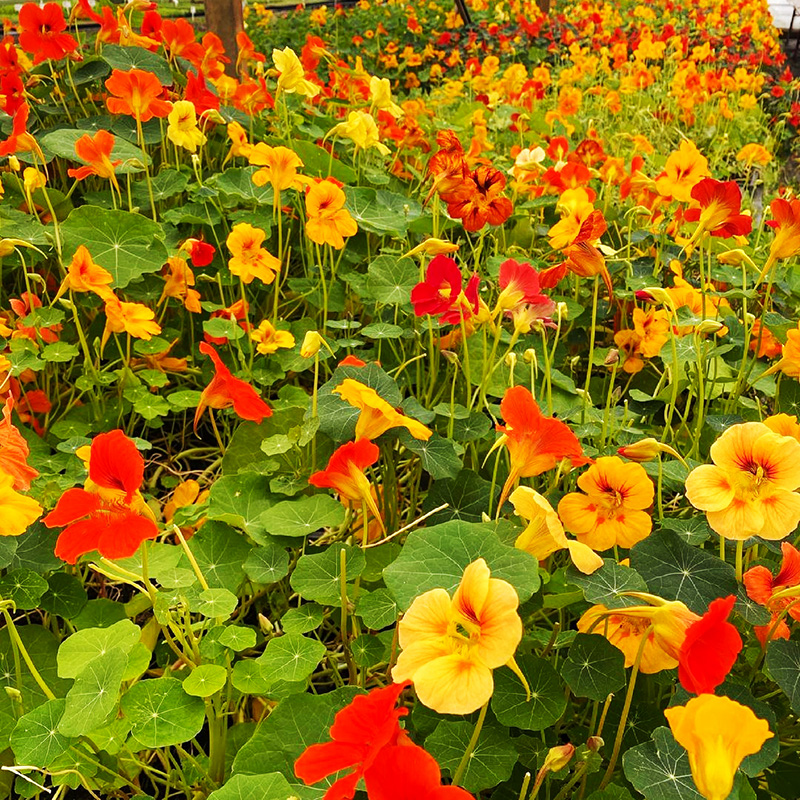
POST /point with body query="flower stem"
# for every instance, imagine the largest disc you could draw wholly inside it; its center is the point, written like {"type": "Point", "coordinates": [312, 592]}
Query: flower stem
{"type": "Point", "coordinates": [462, 767]}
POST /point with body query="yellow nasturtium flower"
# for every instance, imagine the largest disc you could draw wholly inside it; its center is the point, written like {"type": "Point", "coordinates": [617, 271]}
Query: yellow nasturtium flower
{"type": "Point", "coordinates": [270, 339]}
{"type": "Point", "coordinates": [17, 510]}
{"type": "Point", "coordinates": [182, 129]}
{"type": "Point", "coordinates": [380, 93]}
{"type": "Point", "coordinates": [450, 646]}
{"type": "Point", "coordinates": [361, 129]}
{"type": "Point", "coordinates": [718, 733]}
{"type": "Point", "coordinates": [292, 76]}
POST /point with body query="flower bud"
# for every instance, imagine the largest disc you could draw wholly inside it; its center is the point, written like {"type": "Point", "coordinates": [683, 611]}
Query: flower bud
{"type": "Point", "coordinates": [510, 361]}
{"type": "Point", "coordinates": [594, 743]}
{"type": "Point", "coordinates": [558, 757]}
{"type": "Point", "coordinates": [612, 357]}
{"type": "Point", "coordinates": [265, 625]}
{"type": "Point", "coordinates": [655, 294]}
{"type": "Point", "coordinates": [709, 326]}
{"type": "Point", "coordinates": [529, 356]}
{"type": "Point", "coordinates": [13, 162]}
{"type": "Point", "coordinates": [433, 247]}
{"type": "Point", "coordinates": [312, 342]}
{"type": "Point", "coordinates": [735, 257]}
{"type": "Point", "coordinates": [643, 450]}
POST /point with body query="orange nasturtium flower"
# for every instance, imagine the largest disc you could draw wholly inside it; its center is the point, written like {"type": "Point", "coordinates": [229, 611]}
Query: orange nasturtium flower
{"type": "Point", "coordinates": [226, 390]}
{"type": "Point", "coordinates": [345, 475]}
{"type": "Point", "coordinates": [535, 443]}
{"type": "Point", "coordinates": [754, 154]}
{"type": "Point", "coordinates": [14, 451]}
{"type": "Point", "coordinates": [612, 510]}
{"type": "Point", "coordinates": [719, 212]}
{"type": "Point", "coordinates": [270, 339]}
{"type": "Point", "coordinates": [718, 733]}
{"type": "Point", "coordinates": [83, 275]}
{"type": "Point", "coordinates": [182, 129]}
{"type": "Point", "coordinates": [786, 224]}
{"type": "Point", "coordinates": [450, 646]}
{"type": "Point", "coordinates": [771, 592]}
{"type": "Point", "coordinates": [135, 319]}
{"type": "Point", "coordinates": [96, 152]}
{"type": "Point", "coordinates": [625, 628]}
{"type": "Point", "coordinates": [544, 534]}
{"type": "Point", "coordinates": [279, 167]}
{"type": "Point", "coordinates": [327, 220]}
{"type": "Point", "coordinates": [685, 167]}
{"type": "Point", "coordinates": [749, 490]}
{"type": "Point", "coordinates": [250, 260]}
{"type": "Point", "coordinates": [649, 334]}
{"type": "Point", "coordinates": [377, 416]}
{"type": "Point", "coordinates": [136, 93]}
{"type": "Point", "coordinates": [179, 279]}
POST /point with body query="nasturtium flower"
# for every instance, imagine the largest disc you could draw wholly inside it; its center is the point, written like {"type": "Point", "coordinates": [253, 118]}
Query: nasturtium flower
{"type": "Point", "coordinates": [685, 168]}
{"type": "Point", "coordinates": [786, 224]}
{"type": "Point", "coordinates": [749, 490]}
{"type": "Point", "coordinates": [377, 416]}
{"type": "Point", "coordinates": [327, 220]}
{"type": "Point", "coordinates": [345, 475]}
{"type": "Point", "coordinates": [20, 140]}
{"type": "Point", "coordinates": [544, 533]}
{"type": "Point", "coordinates": [754, 153]}
{"type": "Point", "coordinates": [135, 319]}
{"type": "Point", "coordinates": [710, 648]}
{"type": "Point", "coordinates": [84, 275]}
{"type": "Point", "coordinates": [441, 293]}
{"type": "Point", "coordinates": [481, 200]}
{"type": "Point", "coordinates": [279, 167]}
{"type": "Point", "coordinates": [137, 94]}
{"type": "Point", "coordinates": [519, 285]}
{"type": "Point", "coordinates": [239, 144]}
{"type": "Point", "coordinates": [182, 129]}
{"type": "Point", "coordinates": [201, 253]}
{"type": "Point", "coordinates": [433, 247]}
{"type": "Point", "coordinates": [269, 339]}
{"type": "Point", "coordinates": [719, 212]}
{"type": "Point", "coordinates": [226, 391]}
{"type": "Point", "coordinates": [450, 646]}
{"type": "Point", "coordinates": [250, 260]}
{"type": "Point", "coordinates": [96, 151]}
{"type": "Point", "coordinates": [650, 332]}
{"type": "Point", "coordinates": [380, 94]}
{"type": "Point", "coordinates": [179, 280]}
{"type": "Point", "coordinates": [17, 511]}
{"type": "Point", "coordinates": [361, 129]}
{"type": "Point", "coordinates": [611, 510]}
{"type": "Point", "coordinates": [292, 75]}
{"type": "Point", "coordinates": [14, 451]}
{"type": "Point", "coordinates": [535, 443]}
{"type": "Point", "coordinates": [109, 514]}
{"type": "Point", "coordinates": [41, 32]}
{"type": "Point", "coordinates": [718, 733]}
{"type": "Point", "coordinates": [774, 592]}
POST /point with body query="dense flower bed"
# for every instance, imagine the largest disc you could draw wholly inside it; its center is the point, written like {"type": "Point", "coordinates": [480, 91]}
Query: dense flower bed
{"type": "Point", "coordinates": [412, 414]}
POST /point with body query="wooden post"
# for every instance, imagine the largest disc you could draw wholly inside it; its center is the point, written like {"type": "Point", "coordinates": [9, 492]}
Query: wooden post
{"type": "Point", "coordinates": [224, 17]}
{"type": "Point", "coordinates": [463, 12]}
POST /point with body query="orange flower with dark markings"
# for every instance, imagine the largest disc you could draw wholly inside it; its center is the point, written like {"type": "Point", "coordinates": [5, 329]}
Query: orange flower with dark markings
{"type": "Point", "coordinates": [226, 391]}
{"type": "Point", "coordinates": [96, 151]}
{"type": "Point", "coordinates": [41, 32]}
{"type": "Point", "coordinates": [719, 212]}
{"type": "Point", "coordinates": [535, 443]}
{"type": "Point", "coordinates": [484, 201]}
{"type": "Point", "coordinates": [137, 94]}
{"type": "Point", "coordinates": [328, 221]}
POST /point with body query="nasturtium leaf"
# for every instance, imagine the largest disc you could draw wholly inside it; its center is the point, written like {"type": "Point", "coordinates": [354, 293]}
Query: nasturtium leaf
{"type": "Point", "coordinates": [249, 677]}
{"type": "Point", "coordinates": [161, 713]}
{"type": "Point", "coordinates": [267, 563]}
{"type": "Point", "coordinates": [164, 185]}
{"type": "Point", "coordinates": [783, 663]}
{"type": "Point", "coordinates": [594, 667]}
{"type": "Point", "coordinates": [36, 740]}
{"type": "Point", "coordinates": [317, 162]}
{"type": "Point", "coordinates": [677, 571]}
{"type": "Point", "coordinates": [291, 657]}
{"type": "Point", "coordinates": [220, 552]}
{"type": "Point", "coordinates": [659, 769]}
{"type": "Point", "coordinates": [215, 603]}
{"type": "Point", "coordinates": [436, 557]}
{"type": "Point", "coordinates": [438, 455]}
{"type": "Point", "coordinates": [34, 550]}
{"type": "Point", "coordinates": [368, 651]}
{"type": "Point", "coordinates": [491, 762]}
{"type": "Point", "coordinates": [379, 211]}
{"type": "Point", "coordinates": [254, 787]}
{"type": "Point", "coordinates": [303, 516]}
{"type": "Point", "coordinates": [377, 609]}
{"type": "Point", "coordinates": [467, 496]}
{"type": "Point", "coordinates": [24, 587]}
{"type": "Point", "coordinates": [753, 612]}
{"type": "Point", "coordinates": [65, 595]}
{"type": "Point", "coordinates": [78, 650]}
{"type": "Point", "coordinates": [139, 658]}
{"type": "Point", "coordinates": [475, 427]}
{"type": "Point", "coordinates": [205, 680]}
{"type": "Point", "coordinates": [128, 58]}
{"type": "Point", "coordinates": [611, 792]}
{"type": "Point", "coordinates": [511, 705]}
{"type": "Point", "coordinates": [59, 352]}
{"type": "Point", "coordinates": [693, 530]}
{"type": "Point", "coordinates": [391, 279]}
{"type": "Point", "coordinates": [317, 577]}
{"type": "Point", "coordinates": [240, 500]}
{"type": "Point", "coordinates": [127, 245]}
{"type": "Point", "coordinates": [296, 723]}
{"type": "Point", "coordinates": [383, 330]}
{"type": "Point", "coordinates": [90, 69]}
{"type": "Point", "coordinates": [94, 695]}
{"type": "Point", "coordinates": [605, 584]}
{"type": "Point", "coordinates": [303, 619]}
{"type": "Point", "coordinates": [237, 637]}
{"type": "Point", "coordinates": [188, 398]}
{"type": "Point", "coordinates": [237, 182]}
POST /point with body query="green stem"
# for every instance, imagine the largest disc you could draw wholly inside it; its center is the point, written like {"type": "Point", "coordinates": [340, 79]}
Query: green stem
{"type": "Point", "coordinates": [462, 767]}
{"type": "Point", "coordinates": [17, 642]}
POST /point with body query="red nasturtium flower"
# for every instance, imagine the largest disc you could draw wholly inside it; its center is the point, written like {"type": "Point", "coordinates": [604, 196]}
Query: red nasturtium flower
{"type": "Point", "coordinates": [440, 294]}
{"type": "Point", "coordinates": [226, 390]}
{"type": "Point", "coordinates": [136, 93]}
{"type": "Point", "coordinates": [20, 140]}
{"type": "Point", "coordinates": [720, 209]}
{"type": "Point", "coordinates": [710, 648]}
{"type": "Point", "coordinates": [767, 591]}
{"type": "Point", "coordinates": [201, 253]}
{"type": "Point", "coordinates": [535, 443]}
{"type": "Point", "coordinates": [41, 32]}
{"type": "Point", "coordinates": [109, 514]}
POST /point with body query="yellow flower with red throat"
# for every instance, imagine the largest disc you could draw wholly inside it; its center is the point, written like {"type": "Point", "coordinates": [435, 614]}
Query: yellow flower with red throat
{"type": "Point", "coordinates": [270, 339]}
{"type": "Point", "coordinates": [182, 129]}
{"type": "Point", "coordinates": [292, 75]}
{"type": "Point", "coordinates": [685, 167]}
{"type": "Point", "coordinates": [612, 510]}
{"type": "Point", "coordinates": [327, 220]}
{"type": "Point", "coordinates": [279, 167]}
{"type": "Point", "coordinates": [377, 416]}
{"type": "Point", "coordinates": [250, 260]}
{"type": "Point", "coordinates": [718, 734]}
{"type": "Point", "coordinates": [664, 622]}
{"type": "Point", "coordinates": [749, 490]}
{"type": "Point", "coordinates": [362, 130]}
{"type": "Point", "coordinates": [450, 646]}
{"type": "Point", "coordinates": [544, 534]}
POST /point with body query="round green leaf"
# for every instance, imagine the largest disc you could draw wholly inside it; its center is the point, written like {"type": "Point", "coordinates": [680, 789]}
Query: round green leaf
{"type": "Point", "coordinates": [24, 587]}
{"type": "Point", "coordinates": [303, 619]}
{"type": "Point", "coordinates": [377, 609]}
{"type": "Point", "coordinates": [605, 584]}
{"type": "Point", "coordinates": [291, 657]}
{"type": "Point", "coordinates": [65, 596]}
{"type": "Point", "coordinates": [205, 680]}
{"type": "Point", "coordinates": [316, 577]}
{"type": "Point", "coordinates": [237, 637]}
{"type": "Point", "coordinates": [128, 58]}
{"type": "Point", "coordinates": [303, 516]}
{"type": "Point", "coordinates": [511, 705]}
{"type": "Point", "coordinates": [36, 740]}
{"type": "Point", "coordinates": [254, 787]}
{"type": "Point", "coordinates": [161, 713]}
{"type": "Point", "coordinates": [594, 667]}
{"type": "Point", "coordinates": [783, 663]}
{"type": "Point", "coordinates": [267, 563]}
{"type": "Point", "coordinates": [78, 650]}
